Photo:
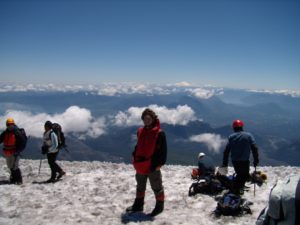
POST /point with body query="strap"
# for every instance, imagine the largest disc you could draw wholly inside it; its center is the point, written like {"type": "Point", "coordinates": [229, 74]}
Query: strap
{"type": "Point", "coordinates": [297, 204]}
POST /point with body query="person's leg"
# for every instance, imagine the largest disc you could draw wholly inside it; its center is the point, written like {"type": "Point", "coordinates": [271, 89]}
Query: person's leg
{"type": "Point", "coordinates": [51, 161]}
{"type": "Point", "coordinates": [138, 205]}
{"type": "Point", "coordinates": [9, 163]}
{"type": "Point", "coordinates": [17, 171]}
{"type": "Point", "coordinates": [242, 173]}
{"type": "Point", "coordinates": [155, 179]}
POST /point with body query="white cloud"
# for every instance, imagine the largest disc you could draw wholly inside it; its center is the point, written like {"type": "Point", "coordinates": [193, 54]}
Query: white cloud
{"type": "Point", "coordinates": [202, 93]}
{"type": "Point", "coordinates": [279, 92]}
{"type": "Point", "coordinates": [74, 120]}
{"type": "Point", "coordinates": [180, 115]}
{"type": "Point", "coordinates": [107, 89]}
{"type": "Point", "coordinates": [214, 142]}
{"type": "Point", "coordinates": [183, 84]}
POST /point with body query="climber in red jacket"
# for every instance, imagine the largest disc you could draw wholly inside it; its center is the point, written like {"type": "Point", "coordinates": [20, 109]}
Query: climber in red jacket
{"type": "Point", "coordinates": [149, 156]}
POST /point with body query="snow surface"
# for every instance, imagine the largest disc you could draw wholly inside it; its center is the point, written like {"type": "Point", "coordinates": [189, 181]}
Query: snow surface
{"type": "Point", "coordinates": [99, 192]}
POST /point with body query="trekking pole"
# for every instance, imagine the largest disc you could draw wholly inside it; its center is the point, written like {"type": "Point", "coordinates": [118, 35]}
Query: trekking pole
{"type": "Point", "coordinates": [67, 150]}
{"type": "Point", "coordinates": [40, 167]}
{"type": "Point", "coordinates": [254, 181]}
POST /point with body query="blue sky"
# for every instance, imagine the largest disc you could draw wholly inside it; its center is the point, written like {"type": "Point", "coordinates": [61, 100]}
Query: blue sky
{"type": "Point", "coordinates": [245, 44]}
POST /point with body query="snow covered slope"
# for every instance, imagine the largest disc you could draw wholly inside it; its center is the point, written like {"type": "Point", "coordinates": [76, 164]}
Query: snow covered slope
{"type": "Point", "coordinates": [98, 193]}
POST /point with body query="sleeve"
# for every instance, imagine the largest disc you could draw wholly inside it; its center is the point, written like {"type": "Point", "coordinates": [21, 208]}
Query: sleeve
{"type": "Point", "coordinates": [254, 150]}
{"type": "Point", "coordinates": [54, 141]}
{"type": "Point", "coordinates": [134, 150]}
{"type": "Point", "coordinates": [255, 154]}
{"type": "Point", "coordinates": [19, 136]}
{"type": "Point", "coordinates": [226, 155]}
{"type": "Point", "coordinates": [252, 140]}
{"type": "Point", "coordinates": [2, 137]}
{"type": "Point", "coordinates": [160, 155]}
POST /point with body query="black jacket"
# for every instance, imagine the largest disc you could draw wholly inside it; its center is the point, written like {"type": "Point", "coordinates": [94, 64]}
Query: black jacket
{"type": "Point", "coordinates": [159, 157]}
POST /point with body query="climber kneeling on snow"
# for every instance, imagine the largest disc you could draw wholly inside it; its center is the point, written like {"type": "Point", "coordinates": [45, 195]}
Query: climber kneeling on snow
{"type": "Point", "coordinates": [240, 144]}
{"type": "Point", "coordinates": [148, 157]}
{"type": "Point", "coordinates": [50, 147]}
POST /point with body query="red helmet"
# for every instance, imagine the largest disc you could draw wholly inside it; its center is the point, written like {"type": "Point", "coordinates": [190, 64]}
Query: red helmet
{"type": "Point", "coordinates": [237, 124]}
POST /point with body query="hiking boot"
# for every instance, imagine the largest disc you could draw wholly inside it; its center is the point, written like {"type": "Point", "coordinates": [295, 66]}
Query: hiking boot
{"type": "Point", "coordinates": [51, 180]}
{"type": "Point", "coordinates": [60, 174]}
{"type": "Point", "coordinates": [138, 205]}
{"type": "Point", "coordinates": [18, 178]}
{"type": "Point", "coordinates": [159, 207]}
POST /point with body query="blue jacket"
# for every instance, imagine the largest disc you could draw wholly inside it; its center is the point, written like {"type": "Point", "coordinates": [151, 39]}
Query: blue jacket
{"type": "Point", "coordinates": [206, 166]}
{"type": "Point", "coordinates": [240, 144]}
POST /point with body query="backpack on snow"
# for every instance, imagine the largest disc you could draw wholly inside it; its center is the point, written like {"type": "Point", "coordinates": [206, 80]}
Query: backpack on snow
{"type": "Point", "coordinates": [21, 140]}
{"type": "Point", "coordinates": [232, 205]}
{"type": "Point", "coordinates": [207, 185]}
{"type": "Point", "coordinates": [60, 135]}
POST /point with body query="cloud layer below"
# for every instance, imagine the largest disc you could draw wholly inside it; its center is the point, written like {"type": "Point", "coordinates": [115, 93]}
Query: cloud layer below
{"type": "Point", "coordinates": [214, 142]}
{"type": "Point", "coordinates": [79, 121]}
{"type": "Point", "coordinates": [74, 120]}
{"type": "Point", "coordinates": [181, 115]}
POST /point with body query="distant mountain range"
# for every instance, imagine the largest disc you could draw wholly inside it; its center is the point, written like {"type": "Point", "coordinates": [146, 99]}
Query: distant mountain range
{"type": "Point", "coordinates": [105, 126]}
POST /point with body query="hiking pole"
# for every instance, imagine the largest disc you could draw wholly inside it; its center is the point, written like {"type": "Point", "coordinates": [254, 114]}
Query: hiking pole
{"type": "Point", "coordinates": [67, 150]}
{"type": "Point", "coordinates": [254, 181]}
{"type": "Point", "coordinates": [40, 167]}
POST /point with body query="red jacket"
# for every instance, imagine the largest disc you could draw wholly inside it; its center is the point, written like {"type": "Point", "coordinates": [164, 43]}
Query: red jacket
{"type": "Point", "coordinates": [9, 143]}
{"type": "Point", "coordinates": [145, 148]}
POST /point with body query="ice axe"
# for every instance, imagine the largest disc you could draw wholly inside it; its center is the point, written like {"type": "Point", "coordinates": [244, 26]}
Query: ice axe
{"type": "Point", "coordinates": [40, 167]}
{"type": "Point", "coordinates": [255, 181]}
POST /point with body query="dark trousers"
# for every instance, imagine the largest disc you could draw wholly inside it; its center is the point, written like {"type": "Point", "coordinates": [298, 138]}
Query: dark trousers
{"type": "Point", "coordinates": [155, 179]}
{"type": "Point", "coordinates": [53, 165]}
{"type": "Point", "coordinates": [241, 169]}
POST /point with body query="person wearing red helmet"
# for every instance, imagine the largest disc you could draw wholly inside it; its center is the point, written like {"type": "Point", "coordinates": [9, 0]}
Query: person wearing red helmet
{"type": "Point", "coordinates": [239, 145]}
{"type": "Point", "coordinates": [149, 156]}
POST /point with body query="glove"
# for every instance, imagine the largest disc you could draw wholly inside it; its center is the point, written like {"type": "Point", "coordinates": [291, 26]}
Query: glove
{"type": "Point", "coordinates": [17, 153]}
{"type": "Point", "coordinates": [255, 163]}
{"type": "Point", "coordinates": [222, 170]}
{"type": "Point", "coordinates": [45, 150]}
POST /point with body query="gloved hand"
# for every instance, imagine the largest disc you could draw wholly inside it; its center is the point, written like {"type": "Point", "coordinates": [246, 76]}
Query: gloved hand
{"type": "Point", "coordinates": [16, 153]}
{"type": "Point", "coordinates": [45, 149]}
{"type": "Point", "coordinates": [222, 170]}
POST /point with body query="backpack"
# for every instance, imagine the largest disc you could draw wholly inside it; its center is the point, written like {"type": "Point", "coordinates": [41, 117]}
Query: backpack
{"type": "Point", "coordinates": [207, 185]}
{"type": "Point", "coordinates": [232, 205]}
{"type": "Point", "coordinates": [21, 139]}
{"type": "Point", "coordinates": [60, 135]}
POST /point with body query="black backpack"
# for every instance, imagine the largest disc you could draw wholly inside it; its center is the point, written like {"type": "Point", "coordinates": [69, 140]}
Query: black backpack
{"type": "Point", "coordinates": [60, 135]}
{"type": "Point", "coordinates": [21, 139]}
{"type": "Point", "coordinates": [207, 185]}
{"type": "Point", "coordinates": [232, 205]}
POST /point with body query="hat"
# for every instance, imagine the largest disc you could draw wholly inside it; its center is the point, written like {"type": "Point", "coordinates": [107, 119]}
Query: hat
{"type": "Point", "coordinates": [48, 124]}
{"type": "Point", "coordinates": [10, 121]}
{"type": "Point", "coordinates": [201, 155]}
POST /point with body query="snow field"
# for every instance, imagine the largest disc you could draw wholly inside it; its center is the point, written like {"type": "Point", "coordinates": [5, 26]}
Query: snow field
{"type": "Point", "coordinates": [99, 192]}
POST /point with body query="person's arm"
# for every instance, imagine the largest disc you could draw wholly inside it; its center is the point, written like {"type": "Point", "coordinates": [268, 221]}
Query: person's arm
{"type": "Point", "coordinates": [134, 150]}
{"type": "Point", "coordinates": [255, 154]}
{"type": "Point", "coordinates": [2, 137]}
{"type": "Point", "coordinates": [160, 155]}
{"type": "Point", "coordinates": [254, 150]}
{"type": "Point", "coordinates": [226, 155]}
{"type": "Point", "coordinates": [54, 143]}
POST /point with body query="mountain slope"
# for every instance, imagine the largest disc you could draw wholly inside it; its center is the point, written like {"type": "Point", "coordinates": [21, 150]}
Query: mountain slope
{"type": "Point", "coordinates": [98, 193]}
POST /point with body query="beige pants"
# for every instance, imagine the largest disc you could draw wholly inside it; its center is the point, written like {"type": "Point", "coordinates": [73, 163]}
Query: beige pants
{"type": "Point", "coordinates": [12, 162]}
{"type": "Point", "coordinates": [155, 179]}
